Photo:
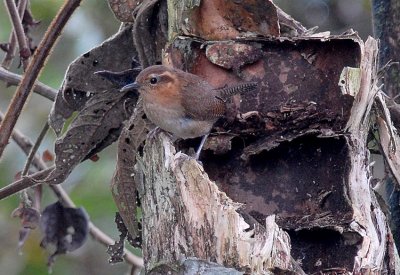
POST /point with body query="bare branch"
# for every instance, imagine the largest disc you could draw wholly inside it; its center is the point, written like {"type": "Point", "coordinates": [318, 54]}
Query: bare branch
{"type": "Point", "coordinates": [34, 149]}
{"type": "Point", "coordinates": [23, 183]}
{"type": "Point", "coordinates": [24, 51]}
{"type": "Point", "coordinates": [33, 70]}
{"type": "Point", "coordinates": [13, 41]}
{"type": "Point", "coordinates": [39, 88]}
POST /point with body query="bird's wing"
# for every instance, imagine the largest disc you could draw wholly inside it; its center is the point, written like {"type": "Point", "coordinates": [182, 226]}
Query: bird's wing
{"type": "Point", "coordinates": [206, 103]}
{"type": "Point", "coordinates": [203, 104]}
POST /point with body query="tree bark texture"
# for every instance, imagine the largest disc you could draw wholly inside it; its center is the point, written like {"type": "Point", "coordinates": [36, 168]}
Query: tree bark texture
{"type": "Point", "coordinates": [284, 180]}
{"type": "Point", "coordinates": [386, 16]}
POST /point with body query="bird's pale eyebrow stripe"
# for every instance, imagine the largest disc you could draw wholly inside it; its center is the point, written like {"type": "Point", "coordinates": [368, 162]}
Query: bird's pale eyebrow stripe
{"type": "Point", "coordinates": [167, 76]}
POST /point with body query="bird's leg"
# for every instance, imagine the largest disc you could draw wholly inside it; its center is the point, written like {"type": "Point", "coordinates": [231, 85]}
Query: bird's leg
{"type": "Point", "coordinates": [203, 140]}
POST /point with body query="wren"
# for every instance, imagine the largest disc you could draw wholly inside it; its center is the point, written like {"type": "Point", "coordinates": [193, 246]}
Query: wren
{"type": "Point", "coordinates": [182, 103]}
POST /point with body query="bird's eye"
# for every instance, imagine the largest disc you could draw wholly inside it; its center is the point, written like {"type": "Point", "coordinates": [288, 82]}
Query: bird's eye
{"type": "Point", "coordinates": [153, 80]}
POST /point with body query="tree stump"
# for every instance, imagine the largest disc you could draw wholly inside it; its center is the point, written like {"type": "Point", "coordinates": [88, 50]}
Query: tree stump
{"type": "Point", "coordinates": [284, 180]}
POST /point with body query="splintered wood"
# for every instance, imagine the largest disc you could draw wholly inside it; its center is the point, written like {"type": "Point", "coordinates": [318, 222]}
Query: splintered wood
{"type": "Point", "coordinates": [300, 161]}
{"type": "Point", "coordinates": [195, 219]}
{"type": "Point", "coordinates": [284, 181]}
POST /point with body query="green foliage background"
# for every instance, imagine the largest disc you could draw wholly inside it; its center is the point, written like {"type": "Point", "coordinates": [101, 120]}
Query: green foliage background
{"type": "Point", "coordinates": [89, 183]}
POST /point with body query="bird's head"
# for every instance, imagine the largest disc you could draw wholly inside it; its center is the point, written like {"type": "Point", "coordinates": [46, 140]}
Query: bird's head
{"type": "Point", "coordinates": [155, 80]}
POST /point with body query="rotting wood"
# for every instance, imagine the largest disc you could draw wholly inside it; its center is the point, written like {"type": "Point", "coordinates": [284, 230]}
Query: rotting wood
{"type": "Point", "coordinates": [186, 215]}
{"type": "Point", "coordinates": [299, 157]}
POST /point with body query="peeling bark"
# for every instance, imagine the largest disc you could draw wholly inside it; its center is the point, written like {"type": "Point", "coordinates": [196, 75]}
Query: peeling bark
{"type": "Point", "coordinates": [284, 184]}
{"type": "Point", "coordinates": [186, 215]}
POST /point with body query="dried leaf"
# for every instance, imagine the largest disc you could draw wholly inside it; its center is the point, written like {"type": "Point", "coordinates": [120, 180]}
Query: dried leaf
{"type": "Point", "coordinates": [4, 47]}
{"type": "Point", "coordinates": [47, 156]}
{"type": "Point", "coordinates": [23, 236]}
{"type": "Point", "coordinates": [97, 125]}
{"type": "Point", "coordinates": [29, 220]}
{"type": "Point", "coordinates": [64, 228]}
{"type": "Point", "coordinates": [123, 186]}
{"type": "Point", "coordinates": [116, 251]}
{"type": "Point", "coordinates": [29, 216]}
{"type": "Point", "coordinates": [123, 9]}
{"type": "Point", "coordinates": [102, 109]}
{"type": "Point", "coordinates": [94, 158]}
{"type": "Point", "coordinates": [28, 22]}
{"type": "Point", "coordinates": [81, 82]}
{"type": "Point", "coordinates": [151, 31]}
{"type": "Point", "coordinates": [67, 102]}
{"type": "Point", "coordinates": [121, 78]}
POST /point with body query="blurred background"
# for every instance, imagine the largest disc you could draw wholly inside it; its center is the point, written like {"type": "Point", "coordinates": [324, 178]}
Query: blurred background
{"type": "Point", "coordinates": [88, 185]}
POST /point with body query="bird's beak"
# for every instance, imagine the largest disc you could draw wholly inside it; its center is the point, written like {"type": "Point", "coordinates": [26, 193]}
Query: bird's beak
{"type": "Point", "coordinates": [130, 87]}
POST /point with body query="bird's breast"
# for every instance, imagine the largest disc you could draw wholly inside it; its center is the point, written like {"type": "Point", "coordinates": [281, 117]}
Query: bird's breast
{"type": "Point", "coordinates": [175, 121]}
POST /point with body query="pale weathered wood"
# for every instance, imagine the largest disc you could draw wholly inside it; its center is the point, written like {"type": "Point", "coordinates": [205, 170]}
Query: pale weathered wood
{"type": "Point", "coordinates": [369, 221]}
{"type": "Point", "coordinates": [185, 215]}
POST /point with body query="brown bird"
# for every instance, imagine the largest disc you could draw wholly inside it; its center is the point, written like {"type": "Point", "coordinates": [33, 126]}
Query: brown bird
{"type": "Point", "coordinates": [182, 103]}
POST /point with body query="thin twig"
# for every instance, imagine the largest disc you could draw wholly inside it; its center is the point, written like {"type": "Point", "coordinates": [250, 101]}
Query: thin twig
{"type": "Point", "coordinates": [23, 183]}
{"type": "Point", "coordinates": [33, 70]}
{"type": "Point", "coordinates": [24, 50]}
{"type": "Point", "coordinates": [8, 58]}
{"type": "Point", "coordinates": [40, 88]}
{"type": "Point", "coordinates": [25, 144]}
{"type": "Point", "coordinates": [24, 194]}
{"type": "Point", "coordinates": [34, 149]}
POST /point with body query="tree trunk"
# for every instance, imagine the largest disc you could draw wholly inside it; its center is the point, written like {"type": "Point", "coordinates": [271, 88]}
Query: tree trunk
{"type": "Point", "coordinates": [386, 28]}
{"type": "Point", "coordinates": [284, 183]}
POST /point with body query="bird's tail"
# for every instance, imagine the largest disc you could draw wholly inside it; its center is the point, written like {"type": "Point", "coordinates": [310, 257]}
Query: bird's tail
{"type": "Point", "coordinates": [244, 87]}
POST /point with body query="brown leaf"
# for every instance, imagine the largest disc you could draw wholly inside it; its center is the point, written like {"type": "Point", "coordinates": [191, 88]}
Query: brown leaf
{"type": "Point", "coordinates": [29, 216]}
{"type": "Point", "coordinates": [94, 158]}
{"type": "Point", "coordinates": [47, 156]}
{"type": "Point", "coordinates": [116, 250]}
{"type": "Point", "coordinates": [63, 227]}
{"type": "Point", "coordinates": [29, 220]}
{"type": "Point", "coordinates": [81, 82]}
{"type": "Point", "coordinates": [151, 31]}
{"type": "Point", "coordinates": [96, 126]}
{"type": "Point", "coordinates": [123, 186]}
{"type": "Point", "coordinates": [123, 9]}
{"type": "Point", "coordinates": [101, 107]}
{"type": "Point", "coordinates": [4, 47]}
